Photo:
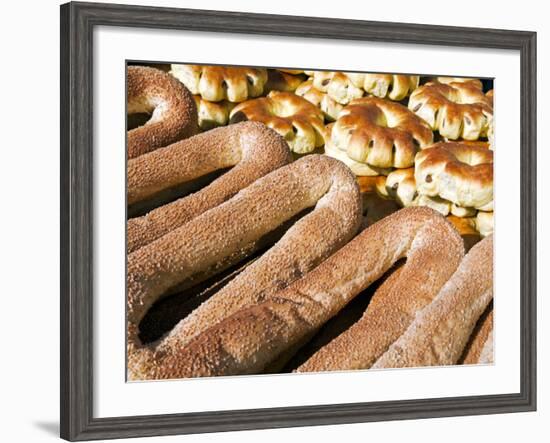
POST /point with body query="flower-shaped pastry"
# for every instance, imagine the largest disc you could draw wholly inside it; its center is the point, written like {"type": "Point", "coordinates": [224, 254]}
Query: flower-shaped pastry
{"type": "Point", "coordinates": [456, 110]}
{"type": "Point", "coordinates": [328, 105]}
{"type": "Point", "coordinates": [401, 185]}
{"type": "Point", "coordinates": [337, 85]}
{"type": "Point", "coordinates": [380, 133]}
{"type": "Point", "coordinates": [447, 80]}
{"type": "Point", "coordinates": [392, 86]}
{"type": "Point", "coordinates": [296, 119]}
{"type": "Point", "coordinates": [212, 114]}
{"type": "Point", "coordinates": [282, 81]}
{"type": "Point", "coordinates": [217, 83]}
{"type": "Point", "coordinates": [459, 173]}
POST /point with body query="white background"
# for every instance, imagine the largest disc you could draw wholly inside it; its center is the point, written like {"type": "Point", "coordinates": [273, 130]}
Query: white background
{"type": "Point", "coordinates": [29, 249]}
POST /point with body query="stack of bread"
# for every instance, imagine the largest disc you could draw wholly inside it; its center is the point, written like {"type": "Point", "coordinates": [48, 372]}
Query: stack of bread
{"type": "Point", "coordinates": [263, 202]}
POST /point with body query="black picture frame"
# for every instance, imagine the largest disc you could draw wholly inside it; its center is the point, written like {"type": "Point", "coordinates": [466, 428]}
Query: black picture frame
{"type": "Point", "coordinates": [77, 23]}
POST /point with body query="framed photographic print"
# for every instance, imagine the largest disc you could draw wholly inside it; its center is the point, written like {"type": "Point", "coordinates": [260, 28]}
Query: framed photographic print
{"type": "Point", "coordinates": [273, 221]}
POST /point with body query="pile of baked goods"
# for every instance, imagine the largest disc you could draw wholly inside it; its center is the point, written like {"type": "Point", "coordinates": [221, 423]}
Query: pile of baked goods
{"type": "Point", "coordinates": [283, 220]}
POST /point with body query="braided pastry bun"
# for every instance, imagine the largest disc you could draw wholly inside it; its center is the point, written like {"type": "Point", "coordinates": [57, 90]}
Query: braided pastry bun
{"type": "Point", "coordinates": [212, 114]}
{"type": "Point", "coordinates": [173, 111]}
{"type": "Point", "coordinates": [459, 173]}
{"type": "Point", "coordinates": [401, 185]}
{"type": "Point", "coordinates": [330, 107]}
{"type": "Point", "coordinates": [380, 133]}
{"type": "Point", "coordinates": [262, 334]}
{"type": "Point", "coordinates": [491, 131]}
{"type": "Point", "coordinates": [394, 87]}
{"type": "Point", "coordinates": [456, 110]}
{"type": "Point", "coordinates": [296, 119]}
{"type": "Point", "coordinates": [447, 80]}
{"type": "Point", "coordinates": [217, 83]}
{"type": "Point", "coordinates": [337, 85]}
{"type": "Point", "coordinates": [282, 81]}
{"type": "Point", "coordinates": [484, 223]}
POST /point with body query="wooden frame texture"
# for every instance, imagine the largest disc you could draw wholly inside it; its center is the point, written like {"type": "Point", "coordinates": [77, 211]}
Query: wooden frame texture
{"type": "Point", "coordinates": [77, 24]}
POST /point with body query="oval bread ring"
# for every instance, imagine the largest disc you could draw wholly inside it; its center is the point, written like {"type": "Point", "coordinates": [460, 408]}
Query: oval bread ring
{"type": "Point", "coordinates": [477, 340]}
{"type": "Point", "coordinates": [252, 149]}
{"type": "Point", "coordinates": [459, 173]}
{"type": "Point", "coordinates": [197, 156]}
{"type": "Point", "coordinates": [441, 331]}
{"type": "Point", "coordinates": [212, 114]}
{"type": "Point", "coordinates": [393, 86]}
{"type": "Point", "coordinates": [380, 133]}
{"type": "Point", "coordinates": [456, 110]}
{"type": "Point", "coordinates": [297, 120]}
{"type": "Point", "coordinates": [174, 114]}
{"type": "Point", "coordinates": [337, 85]}
{"type": "Point", "coordinates": [328, 105]}
{"type": "Point", "coordinates": [487, 353]}
{"type": "Point", "coordinates": [217, 83]}
{"type": "Point", "coordinates": [253, 338]}
{"type": "Point", "coordinates": [218, 235]}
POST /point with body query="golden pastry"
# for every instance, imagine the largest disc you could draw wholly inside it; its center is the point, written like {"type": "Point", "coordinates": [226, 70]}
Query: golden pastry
{"type": "Point", "coordinates": [392, 86]}
{"type": "Point", "coordinates": [380, 133]}
{"type": "Point", "coordinates": [217, 83]}
{"type": "Point", "coordinates": [296, 119]}
{"type": "Point", "coordinates": [456, 110]}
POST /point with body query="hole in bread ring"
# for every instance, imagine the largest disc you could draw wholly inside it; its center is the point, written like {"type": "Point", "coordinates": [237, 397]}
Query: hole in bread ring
{"type": "Point", "coordinates": [250, 148]}
{"type": "Point", "coordinates": [457, 101]}
{"type": "Point", "coordinates": [196, 249]}
{"type": "Point", "coordinates": [267, 333]}
{"type": "Point", "coordinates": [388, 135]}
{"type": "Point", "coordinates": [171, 105]}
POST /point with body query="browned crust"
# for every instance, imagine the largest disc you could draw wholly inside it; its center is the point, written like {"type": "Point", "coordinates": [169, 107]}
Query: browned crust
{"type": "Point", "coordinates": [253, 337]}
{"type": "Point", "coordinates": [253, 149]}
{"type": "Point", "coordinates": [477, 340]}
{"type": "Point", "coordinates": [456, 110]}
{"type": "Point", "coordinates": [300, 122]}
{"type": "Point", "coordinates": [215, 236]}
{"type": "Point", "coordinates": [217, 83]}
{"type": "Point", "coordinates": [392, 86]}
{"type": "Point", "coordinates": [394, 305]}
{"type": "Point", "coordinates": [441, 330]}
{"type": "Point", "coordinates": [380, 133]}
{"type": "Point", "coordinates": [487, 353]}
{"type": "Point", "coordinates": [147, 87]}
{"type": "Point", "coordinates": [460, 173]}
{"type": "Point", "coordinates": [278, 80]}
